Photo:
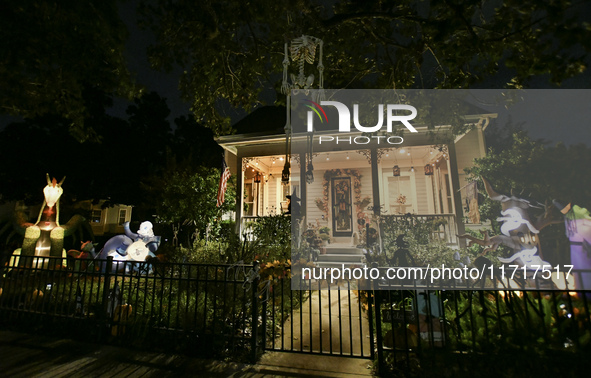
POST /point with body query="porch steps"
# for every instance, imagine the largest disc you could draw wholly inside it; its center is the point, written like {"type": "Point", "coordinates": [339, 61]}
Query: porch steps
{"type": "Point", "coordinates": [339, 254]}
{"type": "Point", "coordinates": [348, 250]}
{"type": "Point", "coordinates": [333, 257]}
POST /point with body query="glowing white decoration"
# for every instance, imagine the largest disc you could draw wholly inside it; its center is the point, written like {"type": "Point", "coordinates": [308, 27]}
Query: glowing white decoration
{"type": "Point", "coordinates": [513, 220]}
{"type": "Point", "coordinates": [146, 230]}
{"type": "Point", "coordinates": [528, 259]}
{"type": "Point", "coordinates": [52, 193]}
{"type": "Point", "coordinates": [138, 251]}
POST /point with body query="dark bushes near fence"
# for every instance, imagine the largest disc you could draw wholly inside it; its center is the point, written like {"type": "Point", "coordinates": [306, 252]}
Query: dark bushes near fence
{"type": "Point", "coordinates": [195, 309]}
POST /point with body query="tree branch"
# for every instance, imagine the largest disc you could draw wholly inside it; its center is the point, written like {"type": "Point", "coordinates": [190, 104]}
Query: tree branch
{"type": "Point", "coordinates": [345, 17]}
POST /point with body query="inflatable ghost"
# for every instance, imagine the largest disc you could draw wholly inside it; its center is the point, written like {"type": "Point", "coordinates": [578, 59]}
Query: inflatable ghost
{"type": "Point", "coordinates": [131, 246]}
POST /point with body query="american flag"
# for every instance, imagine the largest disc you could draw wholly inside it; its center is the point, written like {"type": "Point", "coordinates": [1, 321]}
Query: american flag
{"type": "Point", "coordinates": [225, 175]}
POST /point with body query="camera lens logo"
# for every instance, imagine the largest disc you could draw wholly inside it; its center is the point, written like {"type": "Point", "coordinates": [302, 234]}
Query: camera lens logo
{"type": "Point", "coordinates": [316, 109]}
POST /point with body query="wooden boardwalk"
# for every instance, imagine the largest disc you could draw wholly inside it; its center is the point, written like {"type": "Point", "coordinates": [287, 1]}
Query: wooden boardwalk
{"type": "Point", "coordinates": [24, 355]}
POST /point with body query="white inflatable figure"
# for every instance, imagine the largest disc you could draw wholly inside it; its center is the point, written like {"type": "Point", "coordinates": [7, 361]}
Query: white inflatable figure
{"type": "Point", "coordinates": [513, 220]}
{"type": "Point", "coordinates": [527, 258]}
{"type": "Point", "coordinates": [132, 246]}
{"type": "Point", "coordinates": [145, 230]}
{"type": "Point", "coordinates": [519, 230]}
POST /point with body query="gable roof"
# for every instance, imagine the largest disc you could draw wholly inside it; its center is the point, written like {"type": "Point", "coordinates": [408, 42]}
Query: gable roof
{"type": "Point", "coordinates": [264, 120]}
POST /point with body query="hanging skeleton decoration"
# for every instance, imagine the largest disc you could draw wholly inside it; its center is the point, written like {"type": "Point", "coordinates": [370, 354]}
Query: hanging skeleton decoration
{"type": "Point", "coordinates": [302, 50]}
{"type": "Point", "coordinates": [519, 230]}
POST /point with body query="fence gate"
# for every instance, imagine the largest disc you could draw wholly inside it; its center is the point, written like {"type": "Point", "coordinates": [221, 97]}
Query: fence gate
{"type": "Point", "coordinates": [318, 321]}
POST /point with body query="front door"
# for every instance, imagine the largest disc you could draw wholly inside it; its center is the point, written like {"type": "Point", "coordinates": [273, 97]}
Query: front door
{"type": "Point", "coordinates": [342, 217]}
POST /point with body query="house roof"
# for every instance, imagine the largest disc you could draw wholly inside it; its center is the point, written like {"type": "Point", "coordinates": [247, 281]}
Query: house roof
{"type": "Point", "coordinates": [263, 131]}
{"type": "Point", "coordinates": [268, 119]}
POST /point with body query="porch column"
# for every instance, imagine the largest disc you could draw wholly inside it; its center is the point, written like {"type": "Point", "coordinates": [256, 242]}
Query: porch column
{"type": "Point", "coordinates": [375, 181]}
{"type": "Point", "coordinates": [239, 199]}
{"type": "Point", "coordinates": [303, 186]}
{"type": "Point", "coordinates": [455, 185]}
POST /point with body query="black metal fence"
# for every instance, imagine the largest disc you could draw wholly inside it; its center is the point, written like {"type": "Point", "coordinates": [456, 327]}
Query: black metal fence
{"type": "Point", "coordinates": [319, 321]}
{"type": "Point", "coordinates": [228, 310]}
{"type": "Point", "coordinates": [205, 310]}
{"type": "Point", "coordinates": [533, 333]}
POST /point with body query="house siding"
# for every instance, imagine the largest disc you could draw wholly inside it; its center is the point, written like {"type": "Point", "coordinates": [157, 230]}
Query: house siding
{"type": "Point", "coordinates": [469, 147]}
{"type": "Point", "coordinates": [421, 190]}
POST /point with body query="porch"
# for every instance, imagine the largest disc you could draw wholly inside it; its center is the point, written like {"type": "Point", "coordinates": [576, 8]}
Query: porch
{"type": "Point", "coordinates": [445, 228]}
{"type": "Point", "coordinates": [350, 188]}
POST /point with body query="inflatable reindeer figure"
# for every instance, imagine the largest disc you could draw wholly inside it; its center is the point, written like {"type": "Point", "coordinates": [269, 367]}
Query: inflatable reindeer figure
{"type": "Point", "coordinates": [519, 229]}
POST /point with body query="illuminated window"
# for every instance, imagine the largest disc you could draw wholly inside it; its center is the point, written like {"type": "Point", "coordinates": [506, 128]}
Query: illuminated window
{"type": "Point", "coordinates": [122, 215]}
{"type": "Point", "coordinates": [96, 216]}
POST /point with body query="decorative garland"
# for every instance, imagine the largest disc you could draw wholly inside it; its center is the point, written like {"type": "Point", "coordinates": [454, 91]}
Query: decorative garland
{"type": "Point", "coordinates": [354, 174]}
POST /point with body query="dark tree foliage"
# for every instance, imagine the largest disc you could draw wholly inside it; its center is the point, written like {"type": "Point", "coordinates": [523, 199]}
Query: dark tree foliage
{"type": "Point", "coordinates": [118, 168]}
{"type": "Point", "coordinates": [515, 162]}
{"type": "Point", "coordinates": [51, 52]}
{"type": "Point", "coordinates": [232, 51]}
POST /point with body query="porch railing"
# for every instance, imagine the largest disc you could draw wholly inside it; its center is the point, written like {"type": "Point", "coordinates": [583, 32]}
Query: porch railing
{"type": "Point", "coordinates": [445, 227]}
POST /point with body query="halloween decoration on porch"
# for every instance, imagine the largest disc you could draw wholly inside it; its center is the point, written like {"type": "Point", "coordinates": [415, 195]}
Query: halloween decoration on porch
{"type": "Point", "coordinates": [402, 256]}
{"type": "Point", "coordinates": [519, 229]}
{"type": "Point", "coordinates": [131, 246]}
{"type": "Point", "coordinates": [577, 222]}
{"type": "Point", "coordinates": [46, 237]}
{"type": "Point", "coordinates": [293, 206]}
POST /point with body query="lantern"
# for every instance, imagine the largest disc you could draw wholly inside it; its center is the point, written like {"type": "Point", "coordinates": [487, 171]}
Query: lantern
{"type": "Point", "coordinates": [257, 177]}
{"type": "Point", "coordinates": [310, 174]}
{"type": "Point", "coordinates": [396, 171]}
{"type": "Point", "coordinates": [428, 170]}
{"type": "Point", "coordinates": [285, 173]}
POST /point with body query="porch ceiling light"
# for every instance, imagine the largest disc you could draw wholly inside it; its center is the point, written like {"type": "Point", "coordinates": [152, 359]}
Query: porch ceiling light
{"type": "Point", "coordinates": [396, 171]}
{"type": "Point", "coordinates": [257, 177]}
{"type": "Point", "coordinates": [428, 170]}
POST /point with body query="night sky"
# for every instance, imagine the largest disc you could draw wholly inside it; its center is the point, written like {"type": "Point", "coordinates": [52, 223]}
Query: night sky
{"type": "Point", "coordinates": [555, 115]}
